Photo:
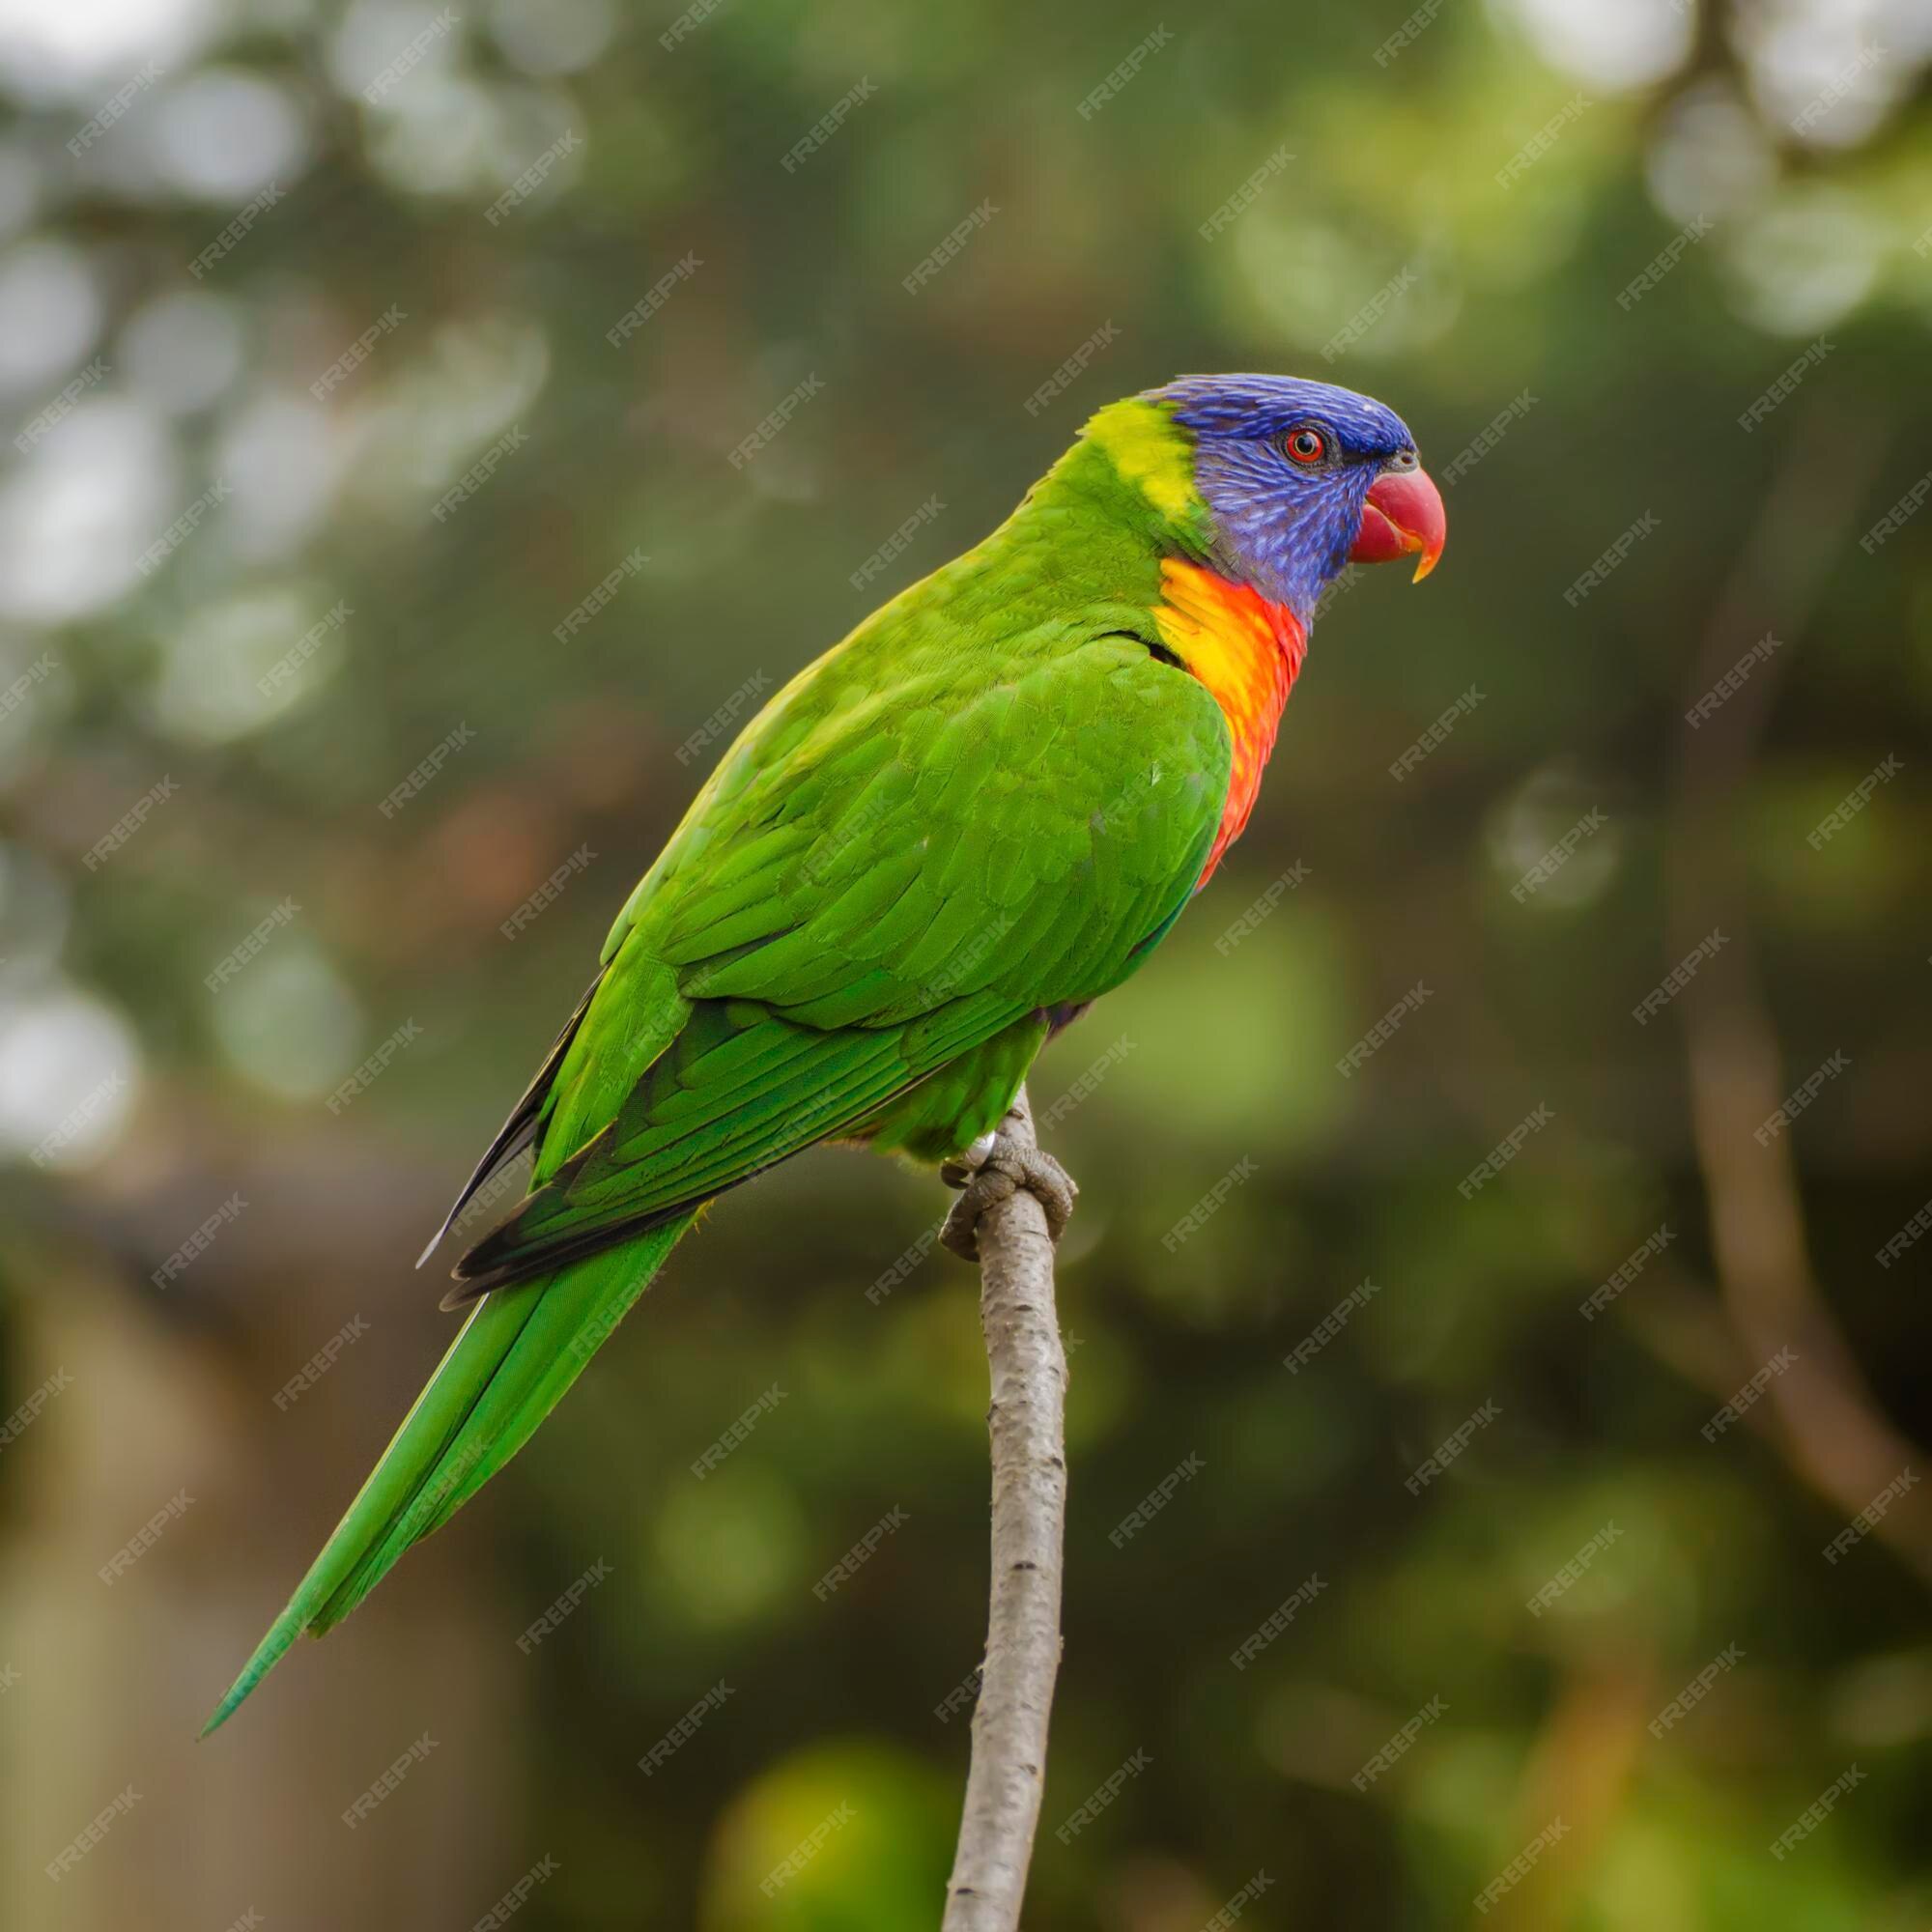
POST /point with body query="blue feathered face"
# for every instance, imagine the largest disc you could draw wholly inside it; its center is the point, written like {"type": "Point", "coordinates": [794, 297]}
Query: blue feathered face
{"type": "Point", "coordinates": [1301, 476]}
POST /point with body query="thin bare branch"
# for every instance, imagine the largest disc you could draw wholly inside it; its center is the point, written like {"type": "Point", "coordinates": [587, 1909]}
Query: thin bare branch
{"type": "Point", "coordinates": [1027, 1425]}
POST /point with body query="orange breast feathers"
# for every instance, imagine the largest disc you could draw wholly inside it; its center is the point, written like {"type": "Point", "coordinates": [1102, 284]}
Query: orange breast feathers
{"type": "Point", "coordinates": [1246, 651]}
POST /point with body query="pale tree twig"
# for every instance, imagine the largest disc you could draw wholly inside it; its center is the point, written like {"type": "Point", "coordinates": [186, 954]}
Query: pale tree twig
{"type": "Point", "coordinates": [1027, 1425]}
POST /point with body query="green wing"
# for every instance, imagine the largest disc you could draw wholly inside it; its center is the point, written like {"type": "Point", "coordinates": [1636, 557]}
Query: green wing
{"type": "Point", "coordinates": [884, 874]}
{"type": "Point", "coordinates": [911, 853]}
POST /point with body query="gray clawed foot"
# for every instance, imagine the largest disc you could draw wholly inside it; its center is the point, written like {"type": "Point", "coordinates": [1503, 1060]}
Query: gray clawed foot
{"type": "Point", "coordinates": [993, 1168]}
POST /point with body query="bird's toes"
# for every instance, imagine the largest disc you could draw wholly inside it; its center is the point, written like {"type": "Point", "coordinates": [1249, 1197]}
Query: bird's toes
{"type": "Point", "coordinates": [961, 1229]}
{"type": "Point", "coordinates": [1050, 1184]}
{"type": "Point", "coordinates": [1004, 1171]}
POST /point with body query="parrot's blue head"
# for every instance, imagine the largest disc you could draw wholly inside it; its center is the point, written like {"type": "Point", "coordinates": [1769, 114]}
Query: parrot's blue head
{"type": "Point", "coordinates": [1299, 478]}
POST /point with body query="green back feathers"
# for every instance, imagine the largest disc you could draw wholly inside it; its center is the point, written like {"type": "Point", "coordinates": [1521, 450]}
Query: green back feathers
{"type": "Point", "coordinates": [1096, 527]}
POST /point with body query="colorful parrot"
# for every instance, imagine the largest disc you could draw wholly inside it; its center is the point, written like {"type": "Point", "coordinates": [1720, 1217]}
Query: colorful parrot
{"type": "Point", "coordinates": [931, 850]}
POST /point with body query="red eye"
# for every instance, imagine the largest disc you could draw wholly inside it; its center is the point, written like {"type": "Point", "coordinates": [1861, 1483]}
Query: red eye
{"type": "Point", "coordinates": [1306, 446]}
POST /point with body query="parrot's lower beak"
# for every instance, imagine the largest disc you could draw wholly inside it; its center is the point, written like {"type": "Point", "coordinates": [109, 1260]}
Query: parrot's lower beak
{"type": "Point", "coordinates": [1404, 513]}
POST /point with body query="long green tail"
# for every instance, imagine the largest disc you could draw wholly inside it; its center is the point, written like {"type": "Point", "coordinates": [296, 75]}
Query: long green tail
{"type": "Point", "coordinates": [509, 1365]}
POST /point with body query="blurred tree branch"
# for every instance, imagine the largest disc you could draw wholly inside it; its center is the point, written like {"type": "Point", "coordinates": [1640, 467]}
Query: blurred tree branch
{"type": "Point", "coordinates": [1027, 1421]}
{"type": "Point", "coordinates": [1833, 1432]}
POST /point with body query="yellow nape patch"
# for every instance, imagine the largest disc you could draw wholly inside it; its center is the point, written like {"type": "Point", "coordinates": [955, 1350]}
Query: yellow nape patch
{"type": "Point", "coordinates": [1145, 449]}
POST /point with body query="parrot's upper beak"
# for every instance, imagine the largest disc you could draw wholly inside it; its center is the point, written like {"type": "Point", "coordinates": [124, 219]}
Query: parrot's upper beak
{"type": "Point", "coordinates": [1403, 512]}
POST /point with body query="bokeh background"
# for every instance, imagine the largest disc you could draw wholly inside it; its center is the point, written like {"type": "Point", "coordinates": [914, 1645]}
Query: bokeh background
{"type": "Point", "coordinates": [203, 207]}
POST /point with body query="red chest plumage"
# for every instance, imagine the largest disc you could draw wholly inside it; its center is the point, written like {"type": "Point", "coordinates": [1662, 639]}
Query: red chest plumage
{"type": "Point", "coordinates": [1247, 652]}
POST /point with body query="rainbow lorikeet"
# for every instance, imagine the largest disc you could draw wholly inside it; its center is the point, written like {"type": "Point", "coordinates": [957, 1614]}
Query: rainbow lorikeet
{"type": "Point", "coordinates": [940, 841]}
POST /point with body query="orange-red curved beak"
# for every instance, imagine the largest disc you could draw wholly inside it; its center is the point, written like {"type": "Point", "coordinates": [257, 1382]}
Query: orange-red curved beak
{"type": "Point", "coordinates": [1404, 513]}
